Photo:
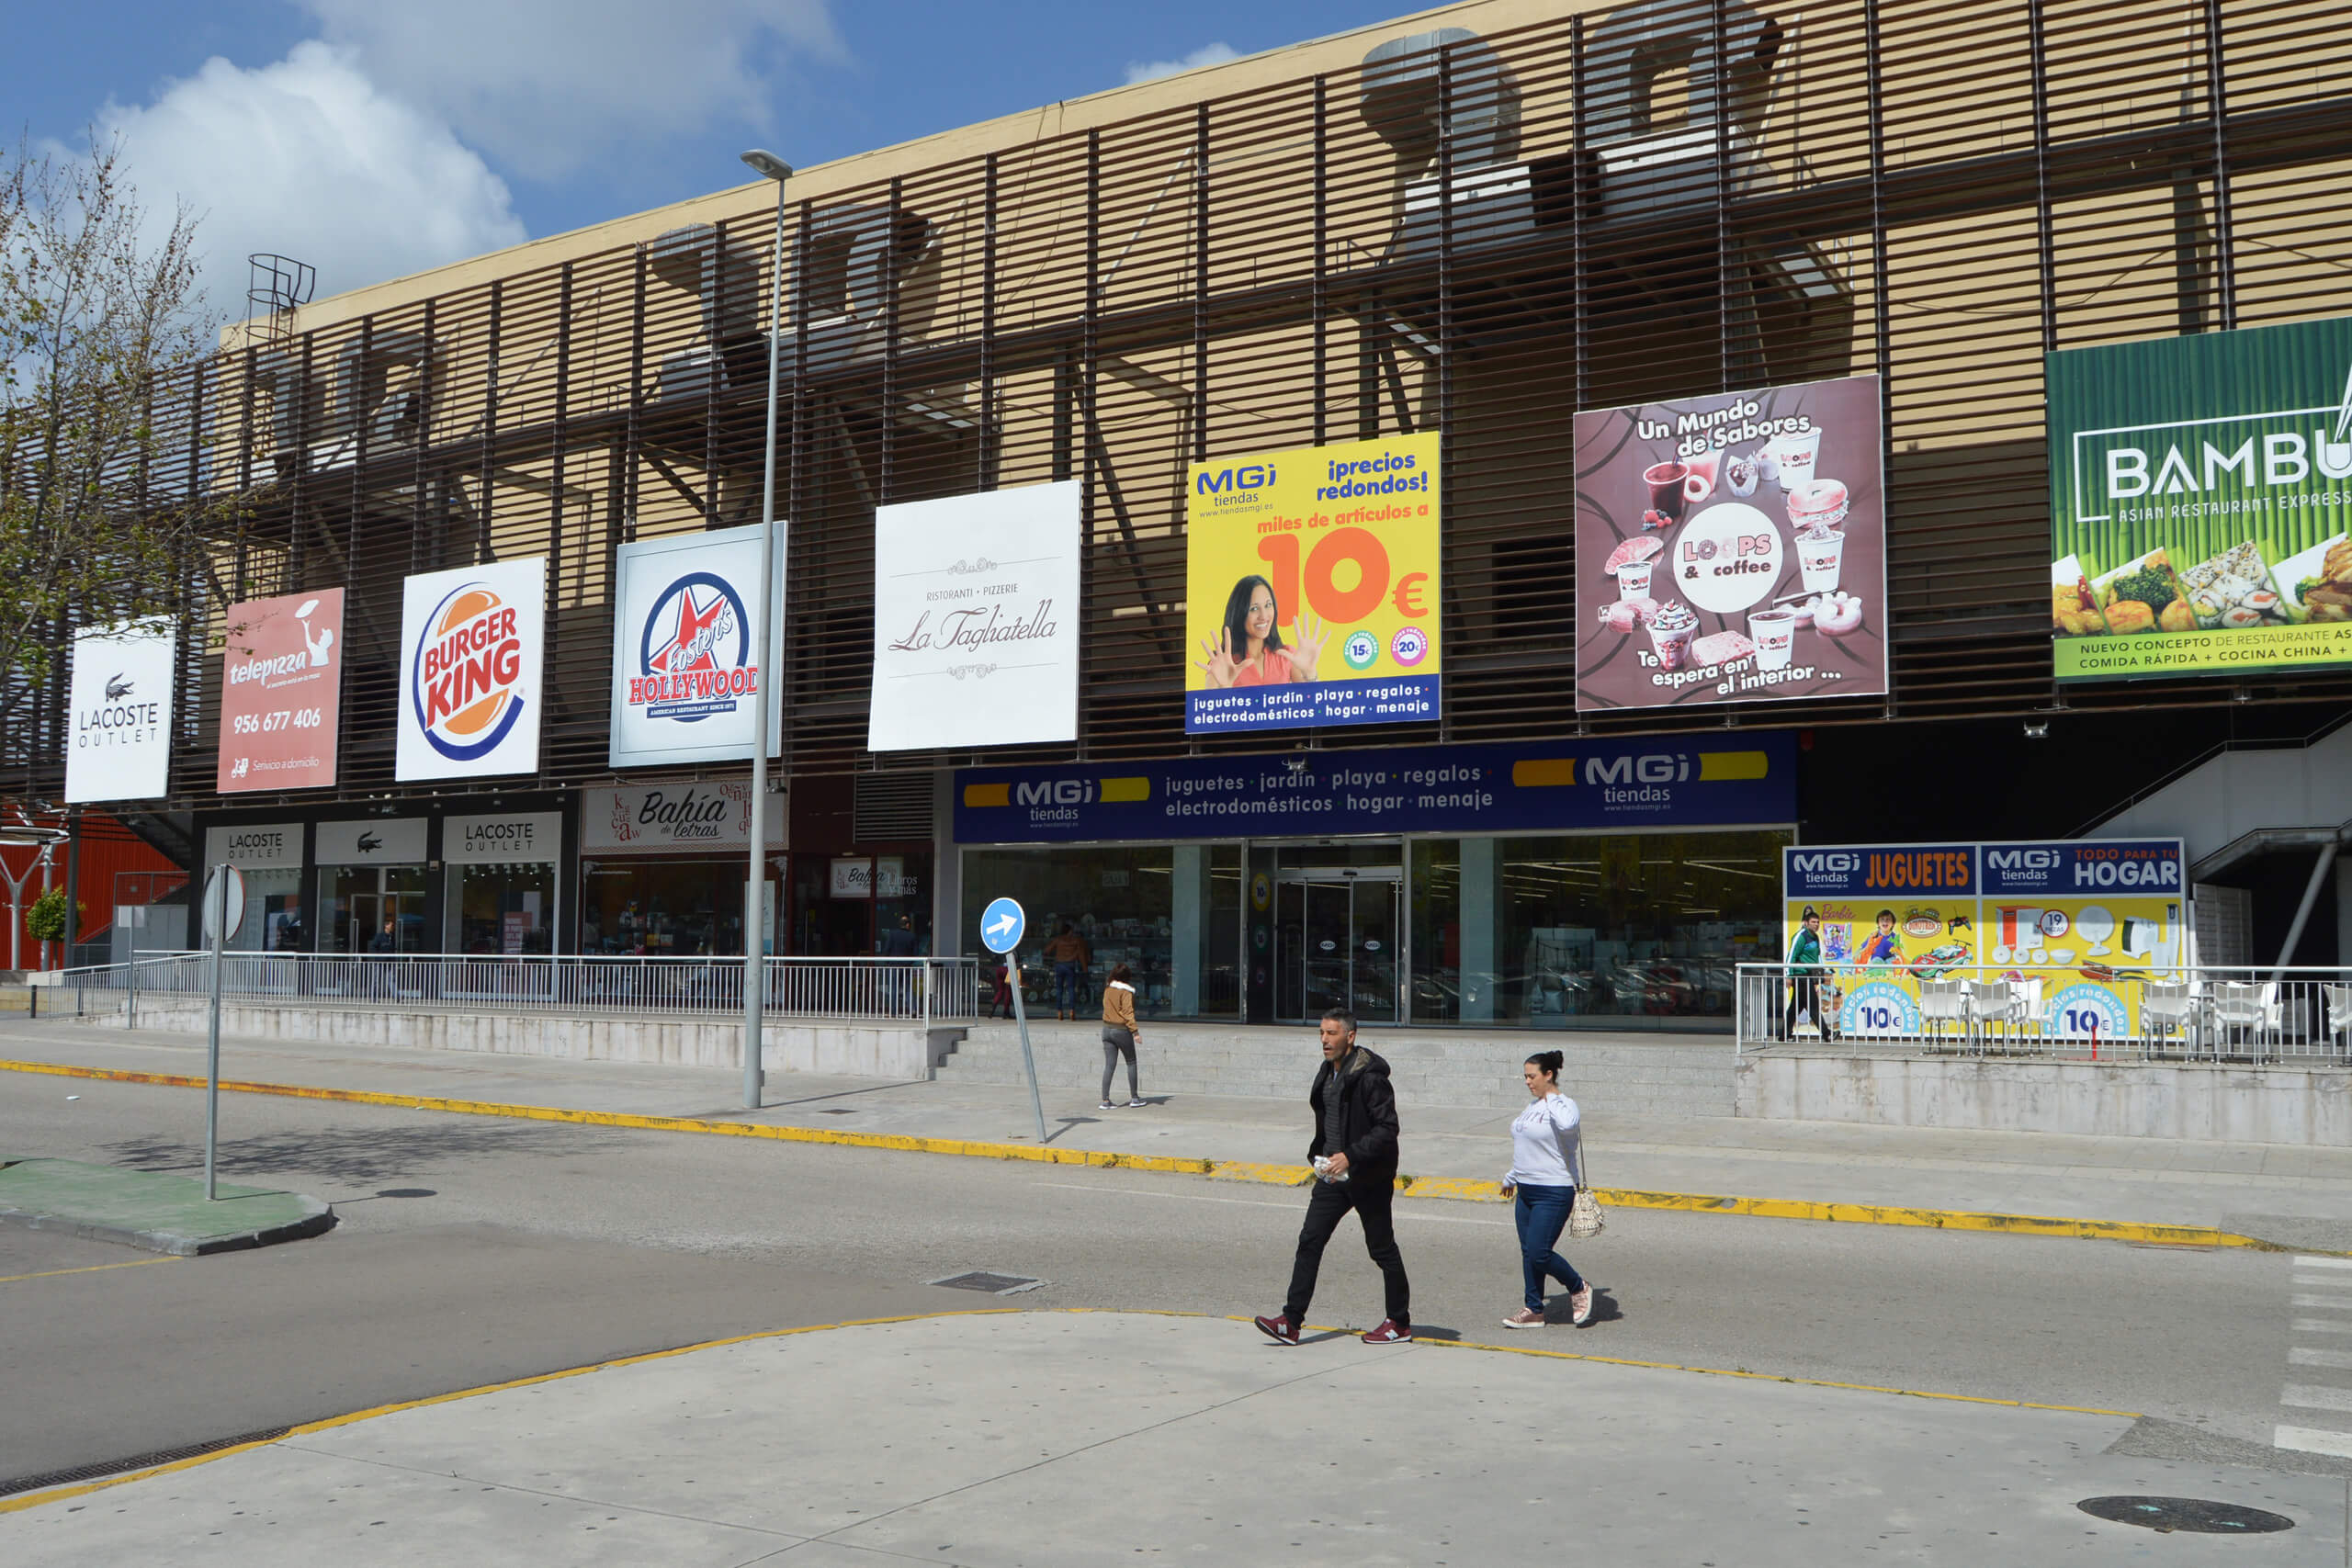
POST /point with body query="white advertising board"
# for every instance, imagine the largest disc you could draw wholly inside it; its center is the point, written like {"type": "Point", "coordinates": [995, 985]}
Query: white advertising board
{"type": "Point", "coordinates": [471, 643]}
{"type": "Point", "coordinates": [660, 819]}
{"type": "Point", "coordinates": [120, 712]}
{"type": "Point", "coordinates": [255, 846]}
{"type": "Point", "coordinates": [374, 840]}
{"type": "Point", "coordinates": [516, 837]}
{"type": "Point", "coordinates": [975, 620]}
{"type": "Point", "coordinates": [685, 671]}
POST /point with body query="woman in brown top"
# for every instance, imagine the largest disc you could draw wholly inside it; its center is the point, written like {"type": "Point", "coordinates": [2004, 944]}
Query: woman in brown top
{"type": "Point", "coordinates": [1119, 1032]}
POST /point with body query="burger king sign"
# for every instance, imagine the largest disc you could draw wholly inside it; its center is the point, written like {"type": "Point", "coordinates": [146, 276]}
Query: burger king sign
{"type": "Point", "coordinates": [470, 647]}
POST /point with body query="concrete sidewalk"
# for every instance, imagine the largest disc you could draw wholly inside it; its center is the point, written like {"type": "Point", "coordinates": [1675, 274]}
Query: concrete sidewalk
{"type": "Point", "coordinates": [2292, 1195]}
{"type": "Point", "coordinates": [152, 1209]}
{"type": "Point", "coordinates": [1074, 1437]}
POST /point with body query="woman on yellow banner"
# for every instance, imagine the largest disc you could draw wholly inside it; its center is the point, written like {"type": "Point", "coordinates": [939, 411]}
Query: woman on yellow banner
{"type": "Point", "coordinates": [1250, 650]}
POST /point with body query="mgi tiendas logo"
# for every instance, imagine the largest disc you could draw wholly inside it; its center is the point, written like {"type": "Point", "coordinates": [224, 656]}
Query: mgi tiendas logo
{"type": "Point", "coordinates": [695, 655]}
{"type": "Point", "coordinates": [465, 674]}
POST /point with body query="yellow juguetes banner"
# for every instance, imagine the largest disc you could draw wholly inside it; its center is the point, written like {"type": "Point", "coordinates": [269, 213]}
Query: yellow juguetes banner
{"type": "Point", "coordinates": [1312, 578]}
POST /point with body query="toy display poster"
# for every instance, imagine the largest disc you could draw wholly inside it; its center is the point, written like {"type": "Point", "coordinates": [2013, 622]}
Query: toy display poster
{"type": "Point", "coordinates": [1732, 547]}
{"type": "Point", "coordinates": [1891, 916]}
{"type": "Point", "coordinates": [2079, 925]}
{"type": "Point", "coordinates": [1312, 584]}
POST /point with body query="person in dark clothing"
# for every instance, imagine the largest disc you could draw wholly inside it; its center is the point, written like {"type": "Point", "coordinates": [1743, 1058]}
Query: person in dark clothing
{"type": "Point", "coordinates": [1354, 1155]}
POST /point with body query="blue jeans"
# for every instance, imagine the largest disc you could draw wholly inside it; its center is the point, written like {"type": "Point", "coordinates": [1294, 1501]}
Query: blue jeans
{"type": "Point", "coordinates": [1542, 1214]}
{"type": "Point", "coordinates": [1067, 979]}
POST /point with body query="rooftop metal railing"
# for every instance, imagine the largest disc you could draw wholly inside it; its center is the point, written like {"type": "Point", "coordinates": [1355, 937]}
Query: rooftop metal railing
{"type": "Point", "coordinates": [2296, 1015]}
{"type": "Point", "coordinates": [895, 990]}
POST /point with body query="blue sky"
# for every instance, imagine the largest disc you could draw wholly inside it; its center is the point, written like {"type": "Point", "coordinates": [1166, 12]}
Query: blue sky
{"type": "Point", "coordinates": [374, 138]}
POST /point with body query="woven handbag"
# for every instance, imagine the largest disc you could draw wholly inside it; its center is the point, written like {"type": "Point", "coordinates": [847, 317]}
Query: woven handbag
{"type": "Point", "coordinates": [1585, 1218]}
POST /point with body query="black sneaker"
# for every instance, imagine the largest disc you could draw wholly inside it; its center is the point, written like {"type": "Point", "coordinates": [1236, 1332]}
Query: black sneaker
{"type": "Point", "coordinates": [1280, 1330]}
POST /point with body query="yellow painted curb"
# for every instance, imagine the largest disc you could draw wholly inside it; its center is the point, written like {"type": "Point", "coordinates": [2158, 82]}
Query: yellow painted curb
{"type": "Point", "coordinates": [1463, 1188]}
{"type": "Point", "coordinates": [82, 1489]}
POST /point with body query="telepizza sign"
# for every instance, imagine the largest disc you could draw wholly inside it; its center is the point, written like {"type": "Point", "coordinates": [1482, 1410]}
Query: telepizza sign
{"type": "Point", "coordinates": [471, 643]}
{"type": "Point", "coordinates": [685, 671]}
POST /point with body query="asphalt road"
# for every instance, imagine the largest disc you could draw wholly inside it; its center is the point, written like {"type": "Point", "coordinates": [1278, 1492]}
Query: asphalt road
{"type": "Point", "coordinates": [472, 1250]}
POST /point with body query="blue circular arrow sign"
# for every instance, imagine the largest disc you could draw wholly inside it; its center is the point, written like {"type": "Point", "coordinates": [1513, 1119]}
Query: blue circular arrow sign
{"type": "Point", "coordinates": [1002, 924]}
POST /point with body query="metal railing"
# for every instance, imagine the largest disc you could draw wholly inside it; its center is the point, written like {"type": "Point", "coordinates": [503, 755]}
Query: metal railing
{"type": "Point", "coordinates": [896, 990]}
{"type": "Point", "coordinates": [2238, 1014]}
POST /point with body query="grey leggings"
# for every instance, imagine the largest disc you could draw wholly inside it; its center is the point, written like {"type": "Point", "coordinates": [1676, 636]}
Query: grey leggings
{"type": "Point", "coordinates": [1118, 1042]}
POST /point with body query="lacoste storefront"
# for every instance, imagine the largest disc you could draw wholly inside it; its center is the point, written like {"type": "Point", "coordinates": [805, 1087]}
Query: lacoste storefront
{"type": "Point", "coordinates": [1612, 885]}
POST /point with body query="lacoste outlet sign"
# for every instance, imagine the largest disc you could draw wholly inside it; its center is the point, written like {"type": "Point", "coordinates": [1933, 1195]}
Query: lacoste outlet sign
{"type": "Point", "coordinates": [120, 712]}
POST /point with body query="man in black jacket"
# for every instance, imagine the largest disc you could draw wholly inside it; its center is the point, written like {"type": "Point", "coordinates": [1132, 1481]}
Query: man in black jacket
{"type": "Point", "coordinates": [1355, 1125]}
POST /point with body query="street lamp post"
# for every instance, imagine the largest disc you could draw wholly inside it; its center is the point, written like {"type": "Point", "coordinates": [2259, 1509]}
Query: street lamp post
{"type": "Point", "coordinates": [755, 890]}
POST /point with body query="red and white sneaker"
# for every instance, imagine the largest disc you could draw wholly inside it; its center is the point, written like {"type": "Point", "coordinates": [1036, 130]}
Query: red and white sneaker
{"type": "Point", "coordinates": [1580, 1307]}
{"type": "Point", "coordinates": [1280, 1330]}
{"type": "Point", "coordinates": [1390, 1332]}
{"type": "Point", "coordinates": [1525, 1317]}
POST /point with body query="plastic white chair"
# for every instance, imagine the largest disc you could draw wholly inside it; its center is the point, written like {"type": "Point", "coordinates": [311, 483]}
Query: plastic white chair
{"type": "Point", "coordinates": [2241, 1005]}
{"type": "Point", "coordinates": [1946, 1001]}
{"type": "Point", "coordinates": [1994, 1001]}
{"type": "Point", "coordinates": [2165, 1007]}
{"type": "Point", "coordinates": [2339, 1012]}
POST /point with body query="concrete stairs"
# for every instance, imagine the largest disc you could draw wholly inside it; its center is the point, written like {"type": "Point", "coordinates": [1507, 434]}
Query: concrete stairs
{"type": "Point", "coordinates": [1650, 1075]}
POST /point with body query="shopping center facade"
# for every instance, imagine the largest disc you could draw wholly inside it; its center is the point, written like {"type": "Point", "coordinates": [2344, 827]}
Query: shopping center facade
{"type": "Point", "coordinates": [1468, 225]}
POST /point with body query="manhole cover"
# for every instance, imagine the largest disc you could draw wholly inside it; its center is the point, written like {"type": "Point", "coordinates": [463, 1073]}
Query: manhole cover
{"type": "Point", "coordinates": [989, 1284]}
{"type": "Point", "coordinates": [840, 1112]}
{"type": "Point", "coordinates": [2199, 1515]}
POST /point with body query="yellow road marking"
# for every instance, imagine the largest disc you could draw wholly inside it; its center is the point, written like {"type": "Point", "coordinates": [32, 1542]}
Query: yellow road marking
{"type": "Point", "coordinates": [86, 1268]}
{"type": "Point", "coordinates": [1459, 1188]}
{"type": "Point", "coordinates": [82, 1489]}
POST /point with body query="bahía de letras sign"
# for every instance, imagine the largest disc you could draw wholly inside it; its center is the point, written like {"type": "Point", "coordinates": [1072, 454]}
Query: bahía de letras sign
{"type": "Point", "coordinates": [660, 819]}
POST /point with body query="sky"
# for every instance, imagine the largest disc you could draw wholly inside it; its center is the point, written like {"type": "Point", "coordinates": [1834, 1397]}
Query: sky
{"type": "Point", "coordinates": [375, 137]}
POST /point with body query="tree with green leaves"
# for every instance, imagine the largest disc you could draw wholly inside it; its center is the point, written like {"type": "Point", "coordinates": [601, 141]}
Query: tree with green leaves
{"type": "Point", "coordinates": [99, 312]}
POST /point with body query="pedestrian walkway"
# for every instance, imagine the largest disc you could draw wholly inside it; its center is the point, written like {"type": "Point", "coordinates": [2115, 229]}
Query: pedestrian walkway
{"type": "Point", "coordinates": [1054, 1438]}
{"type": "Point", "coordinates": [152, 1209]}
{"type": "Point", "coordinates": [2296, 1196]}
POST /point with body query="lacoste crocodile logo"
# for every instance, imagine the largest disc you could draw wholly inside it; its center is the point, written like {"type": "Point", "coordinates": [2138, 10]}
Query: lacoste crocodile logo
{"type": "Point", "coordinates": [117, 688]}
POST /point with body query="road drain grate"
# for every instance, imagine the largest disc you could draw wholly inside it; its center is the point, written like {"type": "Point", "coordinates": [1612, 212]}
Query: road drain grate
{"type": "Point", "coordinates": [988, 1284]}
{"type": "Point", "coordinates": [139, 1461]}
{"type": "Point", "coordinates": [2198, 1515]}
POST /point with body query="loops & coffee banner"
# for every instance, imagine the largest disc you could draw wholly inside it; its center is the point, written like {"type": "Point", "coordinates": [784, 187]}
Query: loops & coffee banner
{"type": "Point", "coordinates": [1732, 549]}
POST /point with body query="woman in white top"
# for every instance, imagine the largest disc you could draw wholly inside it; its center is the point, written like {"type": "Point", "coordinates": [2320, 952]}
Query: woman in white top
{"type": "Point", "coordinates": [1546, 1164]}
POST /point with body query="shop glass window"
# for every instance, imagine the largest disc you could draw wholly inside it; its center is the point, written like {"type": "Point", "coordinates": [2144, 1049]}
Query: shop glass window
{"type": "Point", "coordinates": [1619, 928]}
{"type": "Point", "coordinates": [273, 921]}
{"type": "Point", "coordinates": [1436, 897]}
{"type": "Point", "coordinates": [662, 906]}
{"type": "Point", "coordinates": [1172, 913]}
{"type": "Point", "coordinates": [502, 908]}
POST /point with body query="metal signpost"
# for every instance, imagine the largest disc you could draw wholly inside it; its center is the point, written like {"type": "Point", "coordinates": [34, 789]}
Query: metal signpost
{"type": "Point", "coordinates": [225, 913]}
{"type": "Point", "coordinates": [1002, 924]}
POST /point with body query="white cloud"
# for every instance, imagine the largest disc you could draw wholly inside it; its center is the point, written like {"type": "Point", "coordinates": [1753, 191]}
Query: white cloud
{"type": "Point", "coordinates": [306, 158]}
{"type": "Point", "coordinates": [1207, 55]}
{"type": "Point", "coordinates": [551, 87]}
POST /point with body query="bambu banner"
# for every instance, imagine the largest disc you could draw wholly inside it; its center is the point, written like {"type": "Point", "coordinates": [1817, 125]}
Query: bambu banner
{"type": "Point", "coordinates": [2201, 495]}
{"type": "Point", "coordinates": [1732, 549]}
{"type": "Point", "coordinates": [281, 693]}
{"type": "Point", "coordinates": [1312, 584]}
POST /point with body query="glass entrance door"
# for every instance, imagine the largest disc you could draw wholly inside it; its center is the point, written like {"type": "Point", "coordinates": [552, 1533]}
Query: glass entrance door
{"type": "Point", "coordinates": [372, 908]}
{"type": "Point", "coordinates": [1335, 943]}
